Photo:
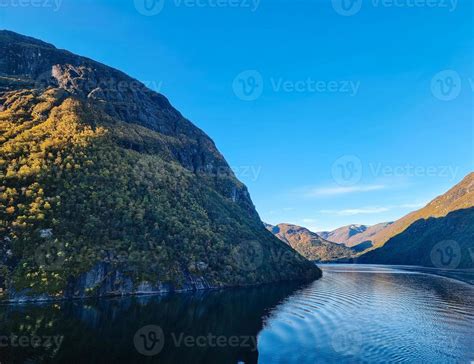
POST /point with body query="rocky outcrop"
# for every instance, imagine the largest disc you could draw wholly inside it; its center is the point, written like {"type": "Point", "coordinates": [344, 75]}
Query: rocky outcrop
{"type": "Point", "coordinates": [105, 281]}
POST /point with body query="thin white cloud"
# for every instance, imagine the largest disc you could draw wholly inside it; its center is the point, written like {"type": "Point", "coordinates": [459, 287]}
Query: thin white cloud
{"type": "Point", "coordinates": [358, 211]}
{"type": "Point", "coordinates": [413, 205]}
{"type": "Point", "coordinates": [279, 211]}
{"type": "Point", "coordinates": [342, 190]}
{"type": "Point", "coordinates": [371, 209]}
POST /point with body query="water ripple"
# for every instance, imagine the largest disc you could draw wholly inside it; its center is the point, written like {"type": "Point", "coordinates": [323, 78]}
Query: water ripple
{"type": "Point", "coordinates": [372, 314]}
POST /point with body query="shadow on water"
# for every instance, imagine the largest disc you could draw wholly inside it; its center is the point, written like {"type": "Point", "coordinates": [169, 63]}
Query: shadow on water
{"type": "Point", "coordinates": [208, 327]}
{"type": "Point", "coordinates": [354, 314]}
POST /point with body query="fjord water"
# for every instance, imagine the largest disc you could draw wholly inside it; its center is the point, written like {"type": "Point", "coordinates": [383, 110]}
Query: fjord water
{"type": "Point", "coordinates": [367, 314]}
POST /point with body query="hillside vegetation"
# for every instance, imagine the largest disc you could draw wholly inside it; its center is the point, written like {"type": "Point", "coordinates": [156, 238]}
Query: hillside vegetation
{"type": "Point", "coordinates": [105, 187]}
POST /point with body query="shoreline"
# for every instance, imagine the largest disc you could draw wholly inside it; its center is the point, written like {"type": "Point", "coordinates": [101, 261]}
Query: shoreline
{"type": "Point", "coordinates": [39, 301]}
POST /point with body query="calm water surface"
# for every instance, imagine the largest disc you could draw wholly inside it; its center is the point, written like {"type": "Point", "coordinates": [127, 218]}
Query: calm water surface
{"type": "Point", "coordinates": [355, 314]}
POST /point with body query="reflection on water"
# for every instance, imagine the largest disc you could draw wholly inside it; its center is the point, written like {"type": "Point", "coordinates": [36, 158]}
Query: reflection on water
{"type": "Point", "coordinates": [373, 314]}
{"type": "Point", "coordinates": [103, 331]}
{"type": "Point", "coordinates": [354, 314]}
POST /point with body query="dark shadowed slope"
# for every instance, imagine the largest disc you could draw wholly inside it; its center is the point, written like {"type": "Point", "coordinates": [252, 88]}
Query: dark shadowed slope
{"type": "Point", "coordinates": [444, 242]}
{"type": "Point", "coordinates": [459, 197]}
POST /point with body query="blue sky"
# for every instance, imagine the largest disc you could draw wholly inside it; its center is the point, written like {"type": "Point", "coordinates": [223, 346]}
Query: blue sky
{"type": "Point", "coordinates": [331, 115]}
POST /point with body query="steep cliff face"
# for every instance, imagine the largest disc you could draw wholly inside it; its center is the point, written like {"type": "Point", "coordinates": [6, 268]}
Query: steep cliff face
{"type": "Point", "coordinates": [101, 177]}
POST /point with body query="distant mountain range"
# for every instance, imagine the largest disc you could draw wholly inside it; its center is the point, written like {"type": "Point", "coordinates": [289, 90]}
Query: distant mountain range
{"type": "Point", "coordinates": [309, 244]}
{"type": "Point", "coordinates": [355, 236]}
{"type": "Point", "coordinates": [434, 234]}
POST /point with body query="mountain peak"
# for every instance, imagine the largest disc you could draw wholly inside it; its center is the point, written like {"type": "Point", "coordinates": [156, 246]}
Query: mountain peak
{"type": "Point", "coordinates": [9, 36]}
{"type": "Point", "coordinates": [30, 63]}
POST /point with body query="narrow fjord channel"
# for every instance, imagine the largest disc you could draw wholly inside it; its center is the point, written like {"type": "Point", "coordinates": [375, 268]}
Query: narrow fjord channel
{"type": "Point", "coordinates": [353, 314]}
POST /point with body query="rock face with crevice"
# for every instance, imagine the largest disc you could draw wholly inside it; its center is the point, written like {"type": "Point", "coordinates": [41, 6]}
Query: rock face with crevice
{"type": "Point", "coordinates": [105, 188]}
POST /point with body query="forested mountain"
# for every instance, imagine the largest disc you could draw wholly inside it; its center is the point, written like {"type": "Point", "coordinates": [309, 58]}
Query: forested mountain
{"type": "Point", "coordinates": [105, 188]}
